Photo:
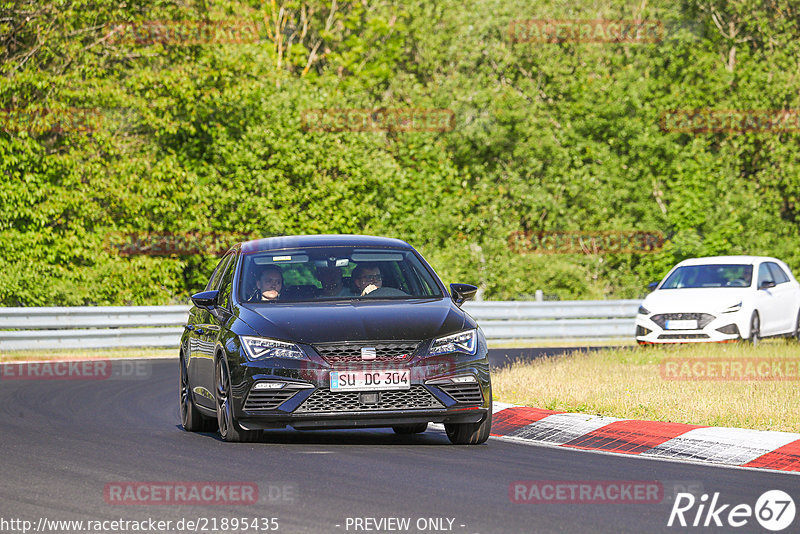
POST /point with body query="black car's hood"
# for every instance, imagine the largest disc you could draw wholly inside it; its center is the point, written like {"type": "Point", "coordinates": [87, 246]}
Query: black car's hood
{"type": "Point", "coordinates": [355, 320]}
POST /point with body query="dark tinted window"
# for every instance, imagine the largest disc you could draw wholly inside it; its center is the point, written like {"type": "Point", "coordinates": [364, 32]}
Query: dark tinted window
{"type": "Point", "coordinates": [213, 282]}
{"type": "Point", "coordinates": [695, 276]}
{"type": "Point", "coordinates": [777, 273]}
{"type": "Point", "coordinates": [226, 285]}
{"type": "Point", "coordinates": [335, 273]}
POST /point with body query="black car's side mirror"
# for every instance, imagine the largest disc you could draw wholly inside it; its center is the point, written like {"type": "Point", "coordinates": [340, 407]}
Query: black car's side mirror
{"type": "Point", "coordinates": [462, 292]}
{"type": "Point", "coordinates": [205, 299]}
{"type": "Point", "coordinates": [652, 286]}
{"type": "Point", "coordinates": [766, 284]}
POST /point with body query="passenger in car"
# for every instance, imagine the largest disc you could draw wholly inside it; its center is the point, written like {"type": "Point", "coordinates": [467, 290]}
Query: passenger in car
{"type": "Point", "coordinates": [331, 280]}
{"type": "Point", "coordinates": [367, 278]}
{"type": "Point", "coordinates": [269, 283]}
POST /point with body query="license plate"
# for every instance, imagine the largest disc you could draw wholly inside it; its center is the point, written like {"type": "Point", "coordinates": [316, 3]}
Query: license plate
{"type": "Point", "coordinates": [685, 324]}
{"type": "Point", "coordinates": [370, 380]}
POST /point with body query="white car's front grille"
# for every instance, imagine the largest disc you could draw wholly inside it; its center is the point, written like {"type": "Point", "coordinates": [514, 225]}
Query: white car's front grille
{"type": "Point", "coordinates": [702, 318]}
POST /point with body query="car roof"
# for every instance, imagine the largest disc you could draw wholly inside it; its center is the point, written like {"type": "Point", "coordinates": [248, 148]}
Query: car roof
{"type": "Point", "coordinates": [322, 240]}
{"type": "Point", "coordinates": [724, 260]}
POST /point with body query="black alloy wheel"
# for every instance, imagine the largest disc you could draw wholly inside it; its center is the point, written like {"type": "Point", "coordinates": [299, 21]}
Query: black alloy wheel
{"type": "Point", "coordinates": [470, 433]}
{"type": "Point", "coordinates": [191, 418]}
{"type": "Point", "coordinates": [228, 428]}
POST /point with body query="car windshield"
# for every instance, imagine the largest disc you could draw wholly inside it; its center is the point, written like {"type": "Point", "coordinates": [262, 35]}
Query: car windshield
{"type": "Point", "coordinates": [693, 276]}
{"type": "Point", "coordinates": [334, 273]}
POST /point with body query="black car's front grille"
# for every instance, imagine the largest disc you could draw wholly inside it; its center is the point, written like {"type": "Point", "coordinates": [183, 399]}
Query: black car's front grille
{"type": "Point", "coordinates": [683, 336]}
{"type": "Point", "coordinates": [464, 393]}
{"type": "Point", "coordinates": [385, 351]}
{"type": "Point", "coordinates": [324, 400]}
{"type": "Point", "coordinates": [268, 399]}
{"type": "Point", "coordinates": [702, 318]}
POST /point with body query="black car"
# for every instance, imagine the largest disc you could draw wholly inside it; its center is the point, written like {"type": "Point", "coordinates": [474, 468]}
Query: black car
{"type": "Point", "coordinates": [332, 331]}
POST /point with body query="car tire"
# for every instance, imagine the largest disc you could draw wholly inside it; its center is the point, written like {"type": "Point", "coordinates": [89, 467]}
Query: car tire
{"type": "Point", "coordinates": [796, 335]}
{"type": "Point", "coordinates": [415, 428]}
{"type": "Point", "coordinates": [191, 418]}
{"type": "Point", "coordinates": [755, 329]}
{"type": "Point", "coordinates": [229, 429]}
{"type": "Point", "coordinates": [470, 433]}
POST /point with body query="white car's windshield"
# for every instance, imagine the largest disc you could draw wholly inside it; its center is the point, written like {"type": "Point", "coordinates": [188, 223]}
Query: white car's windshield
{"type": "Point", "coordinates": [695, 276]}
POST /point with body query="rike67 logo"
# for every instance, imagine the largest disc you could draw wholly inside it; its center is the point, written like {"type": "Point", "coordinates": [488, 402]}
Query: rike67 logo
{"type": "Point", "coordinates": [774, 510]}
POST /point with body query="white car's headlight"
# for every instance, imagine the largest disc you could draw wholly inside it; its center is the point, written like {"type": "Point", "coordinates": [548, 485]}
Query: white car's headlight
{"type": "Point", "coordinates": [643, 311]}
{"type": "Point", "coordinates": [736, 307]}
{"type": "Point", "coordinates": [259, 348]}
{"type": "Point", "coordinates": [466, 342]}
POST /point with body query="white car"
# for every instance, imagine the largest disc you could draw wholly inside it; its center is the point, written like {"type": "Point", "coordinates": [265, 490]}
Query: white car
{"type": "Point", "coordinates": [721, 298]}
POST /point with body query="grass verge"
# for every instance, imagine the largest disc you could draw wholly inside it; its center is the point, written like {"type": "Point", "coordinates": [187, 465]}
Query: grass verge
{"type": "Point", "coordinates": [640, 383]}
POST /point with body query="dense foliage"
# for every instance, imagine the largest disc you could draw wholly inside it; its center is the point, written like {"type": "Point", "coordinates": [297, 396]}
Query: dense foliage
{"type": "Point", "coordinates": [195, 137]}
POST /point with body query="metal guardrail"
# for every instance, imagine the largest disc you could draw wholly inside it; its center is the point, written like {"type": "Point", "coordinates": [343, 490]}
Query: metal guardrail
{"type": "Point", "coordinates": [91, 327]}
{"type": "Point", "coordinates": [92, 317]}
{"type": "Point", "coordinates": [565, 319]}
{"type": "Point", "coordinates": [161, 326]}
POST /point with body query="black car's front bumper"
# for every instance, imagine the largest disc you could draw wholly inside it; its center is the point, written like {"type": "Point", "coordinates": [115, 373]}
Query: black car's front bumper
{"type": "Point", "coordinates": [362, 419]}
{"type": "Point", "coordinates": [307, 401]}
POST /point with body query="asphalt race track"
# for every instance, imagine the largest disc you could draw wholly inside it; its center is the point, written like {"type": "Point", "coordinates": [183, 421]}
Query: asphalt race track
{"type": "Point", "coordinates": [64, 441]}
{"type": "Point", "coordinates": [503, 357]}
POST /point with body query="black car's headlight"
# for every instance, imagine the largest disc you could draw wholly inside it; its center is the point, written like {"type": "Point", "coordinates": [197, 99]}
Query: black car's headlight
{"type": "Point", "coordinates": [466, 342]}
{"type": "Point", "coordinates": [259, 348]}
{"type": "Point", "coordinates": [643, 311]}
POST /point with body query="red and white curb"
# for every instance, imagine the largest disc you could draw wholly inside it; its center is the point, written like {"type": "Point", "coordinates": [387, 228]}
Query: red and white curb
{"type": "Point", "coordinates": [778, 451]}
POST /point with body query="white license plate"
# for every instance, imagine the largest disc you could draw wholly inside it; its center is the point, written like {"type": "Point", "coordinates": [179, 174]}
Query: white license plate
{"type": "Point", "coordinates": [370, 380]}
{"type": "Point", "coordinates": [685, 324]}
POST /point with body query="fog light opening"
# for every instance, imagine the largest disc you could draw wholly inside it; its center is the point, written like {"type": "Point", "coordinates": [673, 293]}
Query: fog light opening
{"type": "Point", "coordinates": [466, 379]}
{"type": "Point", "coordinates": [729, 329]}
{"type": "Point", "coordinates": [269, 385]}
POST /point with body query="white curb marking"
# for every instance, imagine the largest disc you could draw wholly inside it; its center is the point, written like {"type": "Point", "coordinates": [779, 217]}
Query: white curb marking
{"type": "Point", "coordinates": [735, 446]}
{"type": "Point", "coordinates": [562, 428]}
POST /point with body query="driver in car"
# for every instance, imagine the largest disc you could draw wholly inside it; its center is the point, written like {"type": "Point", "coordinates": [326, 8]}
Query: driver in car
{"type": "Point", "coordinates": [269, 283]}
{"type": "Point", "coordinates": [367, 278]}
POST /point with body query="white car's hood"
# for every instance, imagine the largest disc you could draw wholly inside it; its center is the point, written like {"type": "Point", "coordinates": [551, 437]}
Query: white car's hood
{"type": "Point", "coordinates": [707, 300]}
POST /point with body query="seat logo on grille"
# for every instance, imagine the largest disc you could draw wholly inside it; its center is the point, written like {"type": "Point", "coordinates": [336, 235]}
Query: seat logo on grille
{"type": "Point", "coordinates": [368, 353]}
